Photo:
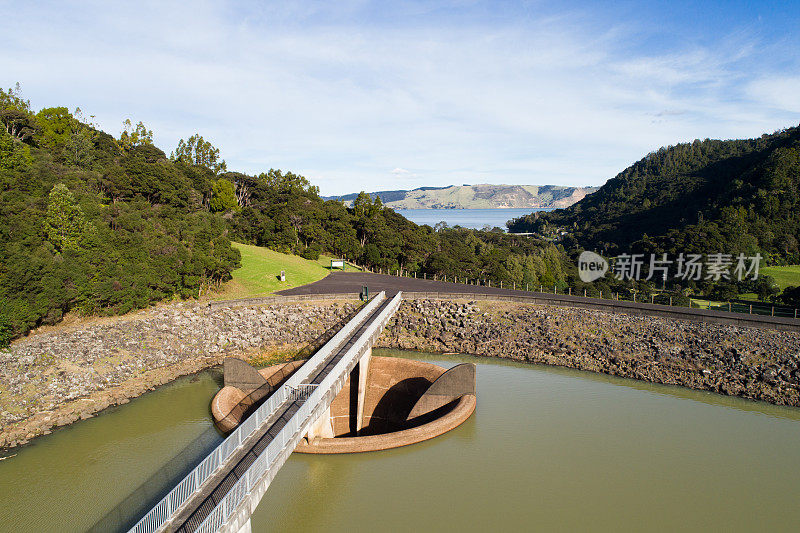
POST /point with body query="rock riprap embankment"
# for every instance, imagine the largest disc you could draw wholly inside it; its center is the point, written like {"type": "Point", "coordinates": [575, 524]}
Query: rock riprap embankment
{"type": "Point", "coordinates": [752, 363]}
{"type": "Point", "coordinates": [54, 378]}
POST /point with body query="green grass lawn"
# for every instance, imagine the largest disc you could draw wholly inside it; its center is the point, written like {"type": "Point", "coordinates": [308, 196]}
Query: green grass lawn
{"type": "Point", "coordinates": [260, 272]}
{"type": "Point", "coordinates": [784, 276]}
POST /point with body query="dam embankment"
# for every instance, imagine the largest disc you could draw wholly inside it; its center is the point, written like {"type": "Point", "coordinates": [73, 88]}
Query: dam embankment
{"type": "Point", "coordinates": [53, 378]}
{"type": "Point", "coordinates": [753, 363]}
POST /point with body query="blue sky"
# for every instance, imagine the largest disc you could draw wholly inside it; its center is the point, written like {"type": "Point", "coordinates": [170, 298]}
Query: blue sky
{"type": "Point", "coordinates": [367, 95]}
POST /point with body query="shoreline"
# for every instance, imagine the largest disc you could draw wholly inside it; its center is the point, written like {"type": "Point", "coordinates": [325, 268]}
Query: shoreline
{"type": "Point", "coordinates": [750, 363]}
{"type": "Point", "coordinates": [762, 366]}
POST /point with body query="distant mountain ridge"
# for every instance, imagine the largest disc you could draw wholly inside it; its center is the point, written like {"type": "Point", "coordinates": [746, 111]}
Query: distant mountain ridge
{"type": "Point", "coordinates": [482, 196]}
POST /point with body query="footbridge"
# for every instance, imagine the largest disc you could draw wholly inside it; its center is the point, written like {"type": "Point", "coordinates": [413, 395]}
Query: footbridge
{"type": "Point", "coordinates": [223, 490]}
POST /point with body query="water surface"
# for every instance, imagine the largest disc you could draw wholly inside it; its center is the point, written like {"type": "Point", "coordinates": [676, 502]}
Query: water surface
{"type": "Point", "coordinates": [547, 448]}
{"type": "Point", "coordinates": [70, 479]}
{"type": "Point", "coordinates": [467, 218]}
{"type": "Point", "coordinates": [555, 449]}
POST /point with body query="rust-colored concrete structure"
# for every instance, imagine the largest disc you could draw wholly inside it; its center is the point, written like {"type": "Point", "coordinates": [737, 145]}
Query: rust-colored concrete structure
{"type": "Point", "coordinates": [244, 388]}
{"type": "Point", "coordinates": [400, 402]}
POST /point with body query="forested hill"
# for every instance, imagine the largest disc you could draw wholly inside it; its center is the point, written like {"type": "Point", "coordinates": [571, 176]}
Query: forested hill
{"type": "Point", "coordinates": [98, 224]}
{"type": "Point", "coordinates": [101, 224]}
{"type": "Point", "coordinates": [484, 196]}
{"type": "Point", "coordinates": [706, 196]}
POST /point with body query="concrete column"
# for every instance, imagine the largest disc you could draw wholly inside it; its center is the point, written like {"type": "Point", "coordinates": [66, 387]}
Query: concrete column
{"type": "Point", "coordinates": [322, 427]}
{"type": "Point", "coordinates": [246, 528]}
{"type": "Point", "coordinates": [363, 370]}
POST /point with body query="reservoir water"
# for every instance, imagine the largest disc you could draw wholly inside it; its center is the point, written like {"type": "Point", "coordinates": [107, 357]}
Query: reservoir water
{"type": "Point", "coordinates": [466, 218]}
{"type": "Point", "coordinates": [547, 448]}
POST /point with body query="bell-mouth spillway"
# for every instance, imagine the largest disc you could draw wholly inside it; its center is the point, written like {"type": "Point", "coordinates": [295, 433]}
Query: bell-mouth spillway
{"type": "Point", "coordinates": [405, 402]}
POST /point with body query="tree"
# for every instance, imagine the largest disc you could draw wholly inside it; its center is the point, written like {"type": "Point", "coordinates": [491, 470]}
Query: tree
{"type": "Point", "coordinates": [19, 124]}
{"type": "Point", "coordinates": [223, 197]}
{"type": "Point", "coordinates": [55, 125]}
{"type": "Point", "coordinates": [6, 331]}
{"type": "Point", "coordinates": [78, 147]}
{"type": "Point", "coordinates": [198, 151]}
{"type": "Point", "coordinates": [134, 136]}
{"type": "Point", "coordinates": [12, 99]}
{"type": "Point", "coordinates": [766, 288]}
{"type": "Point", "coordinates": [65, 225]}
{"type": "Point", "coordinates": [13, 155]}
{"type": "Point", "coordinates": [791, 296]}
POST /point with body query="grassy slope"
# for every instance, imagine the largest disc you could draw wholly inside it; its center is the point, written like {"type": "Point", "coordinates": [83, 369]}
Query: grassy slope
{"type": "Point", "coordinates": [261, 268]}
{"type": "Point", "coordinates": [784, 276]}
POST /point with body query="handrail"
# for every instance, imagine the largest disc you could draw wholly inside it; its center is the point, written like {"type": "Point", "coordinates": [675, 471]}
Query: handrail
{"type": "Point", "coordinates": [323, 353]}
{"type": "Point", "coordinates": [164, 509]}
{"type": "Point", "coordinates": [318, 400]}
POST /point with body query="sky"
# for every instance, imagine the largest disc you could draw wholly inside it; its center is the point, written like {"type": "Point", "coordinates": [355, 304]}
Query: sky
{"type": "Point", "coordinates": [360, 95]}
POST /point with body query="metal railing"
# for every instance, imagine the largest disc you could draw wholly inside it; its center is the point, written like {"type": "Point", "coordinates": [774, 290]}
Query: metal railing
{"type": "Point", "coordinates": [318, 399]}
{"type": "Point", "coordinates": [301, 392]}
{"type": "Point", "coordinates": [315, 361]}
{"type": "Point", "coordinates": [186, 488]}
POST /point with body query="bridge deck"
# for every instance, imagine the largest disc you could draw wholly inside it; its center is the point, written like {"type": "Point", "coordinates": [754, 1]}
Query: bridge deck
{"type": "Point", "coordinates": [215, 489]}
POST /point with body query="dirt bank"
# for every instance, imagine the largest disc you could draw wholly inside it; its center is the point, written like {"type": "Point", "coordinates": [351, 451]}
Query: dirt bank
{"type": "Point", "coordinates": [64, 374]}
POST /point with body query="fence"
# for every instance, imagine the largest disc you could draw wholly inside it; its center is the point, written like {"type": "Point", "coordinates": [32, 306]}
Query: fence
{"type": "Point", "coordinates": [186, 488]}
{"type": "Point", "coordinates": [750, 308]}
{"type": "Point", "coordinates": [126, 514]}
{"type": "Point", "coordinates": [761, 315]}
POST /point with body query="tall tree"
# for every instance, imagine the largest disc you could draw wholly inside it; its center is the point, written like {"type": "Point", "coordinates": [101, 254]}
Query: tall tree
{"type": "Point", "coordinates": [132, 135]}
{"type": "Point", "coordinates": [223, 197]}
{"type": "Point", "coordinates": [198, 151]}
{"type": "Point", "coordinates": [65, 225]}
{"type": "Point", "coordinates": [55, 129]}
{"type": "Point", "coordinates": [78, 146]}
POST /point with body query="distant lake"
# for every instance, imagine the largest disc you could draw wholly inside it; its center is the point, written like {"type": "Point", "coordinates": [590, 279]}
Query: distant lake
{"type": "Point", "coordinates": [467, 218]}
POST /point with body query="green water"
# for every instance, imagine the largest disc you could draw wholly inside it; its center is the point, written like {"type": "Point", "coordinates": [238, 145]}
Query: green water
{"type": "Point", "coordinates": [69, 480]}
{"type": "Point", "coordinates": [547, 449]}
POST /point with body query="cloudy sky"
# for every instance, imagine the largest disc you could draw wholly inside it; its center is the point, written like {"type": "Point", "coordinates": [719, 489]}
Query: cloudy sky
{"type": "Point", "coordinates": [368, 96]}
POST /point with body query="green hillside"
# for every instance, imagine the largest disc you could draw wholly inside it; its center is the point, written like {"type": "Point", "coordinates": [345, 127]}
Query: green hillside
{"type": "Point", "coordinates": [260, 272]}
{"type": "Point", "coordinates": [98, 224]}
{"type": "Point", "coordinates": [784, 276]}
{"type": "Point", "coordinates": [706, 197]}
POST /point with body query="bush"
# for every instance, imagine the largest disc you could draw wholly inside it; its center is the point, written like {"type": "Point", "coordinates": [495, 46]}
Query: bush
{"type": "Point", "coordinates": [6, 331]}
{"type": "Point", "coordinates": [312, 253]}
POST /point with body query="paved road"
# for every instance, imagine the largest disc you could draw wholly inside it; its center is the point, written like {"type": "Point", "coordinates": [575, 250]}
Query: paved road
{"type": "Point", "coordinates": [351, 282]}
{"type": "Point", "coordinates": [343, 282]}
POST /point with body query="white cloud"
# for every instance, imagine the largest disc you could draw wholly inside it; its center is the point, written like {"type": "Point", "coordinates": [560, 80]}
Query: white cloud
{"type": "Point", "coordinates": [779, 92]}
{"type": "Point", "coordinates": [548, 101]}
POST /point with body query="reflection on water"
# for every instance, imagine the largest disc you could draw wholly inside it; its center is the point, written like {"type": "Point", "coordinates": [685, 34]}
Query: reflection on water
{"type": "Point", "coordinates": [548, 448]}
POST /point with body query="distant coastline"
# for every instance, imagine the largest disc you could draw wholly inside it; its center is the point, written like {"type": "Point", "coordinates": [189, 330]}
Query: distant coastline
{"type": "Point", "coordinates": [483, 196]}
{"type": "Point", "coordinates": [467, 218]}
